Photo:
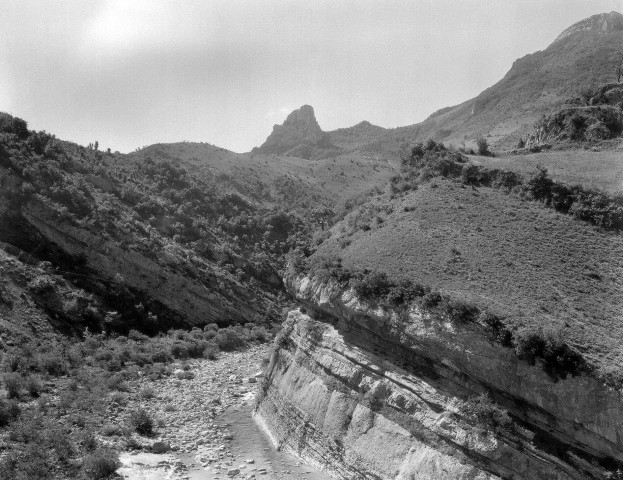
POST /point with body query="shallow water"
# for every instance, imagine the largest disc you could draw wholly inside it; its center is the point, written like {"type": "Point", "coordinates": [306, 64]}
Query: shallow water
{"type": "Point", "coordinates": [251, 443]}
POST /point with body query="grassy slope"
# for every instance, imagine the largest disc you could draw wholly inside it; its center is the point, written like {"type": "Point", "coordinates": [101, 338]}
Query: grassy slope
{"type": "Point", "coordinates": [283, 179]}
{"type": "Point", "coordinates": [530, 263]}
{"type": "Point", "coordinates": [601, 170]}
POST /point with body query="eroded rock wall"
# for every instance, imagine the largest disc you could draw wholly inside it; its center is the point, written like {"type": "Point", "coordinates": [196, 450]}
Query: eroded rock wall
{"type": "Point", "coordinates": [369, 393]}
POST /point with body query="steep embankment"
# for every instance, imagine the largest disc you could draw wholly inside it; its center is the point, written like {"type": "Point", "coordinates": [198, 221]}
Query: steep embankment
{"type": "Point", "coordinates": [369, 392]}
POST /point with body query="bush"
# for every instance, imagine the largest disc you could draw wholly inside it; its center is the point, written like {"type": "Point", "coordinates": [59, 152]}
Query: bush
{"type": "Point", "coordinates": [52, 363]}
{"type": "Point", "coordinates": [111, 430]}
{"type": "Point", "coordinates": [33, 385]}
{"type": "Point", "coordinates": [460, 311]}
{"type": "Point", "coordinates": [89, 442]}
{"type": "Point", "coordinates": [431, 300]}
{"type": "Point", "coordinates": [558, 358]}
{"type": "Point", "coordinates": [9, 411]}
{"type": "Point", "coordinates": [405, 292]}
{"type": "Point", "coordinates": [228, 340]}
{"type": "Point", "coordinates": [371, 285]}
{"type": "Point", "coordinates": [142, 422]}
{"type": "Point", "coordinates": [211, 351]}
{"type": "Point", "coordinates": [100, 464]}
{"type": "Point", "coordinates": [483, 147]}
{"type": "Point", "coordinates": [13, 383]}
{"type": "Point", "coordinates": [147, 392]}
{"type": "Point", "coordinates": [484, 411]}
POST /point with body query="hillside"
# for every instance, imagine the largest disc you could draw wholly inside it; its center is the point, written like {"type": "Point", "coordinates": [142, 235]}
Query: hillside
{"type": "Point", "coordinates": [300, 177]}
{"type": "Point", "coordinates": [531, 265]}
{"type": "Point", "coordinates": [600, 170]}
{"type": "Point", "coordinates": [147, 238]}
{"type": "Point", "coordinates": [583, 56]}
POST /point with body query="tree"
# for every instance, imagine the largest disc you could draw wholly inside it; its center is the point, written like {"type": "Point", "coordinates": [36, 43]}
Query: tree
{"type": "Point", "coordinates": [619, 69]}
{"type": "Point", "coordinates": [483, 146]}
{"type": "Point", "coordinates": [322, 215]}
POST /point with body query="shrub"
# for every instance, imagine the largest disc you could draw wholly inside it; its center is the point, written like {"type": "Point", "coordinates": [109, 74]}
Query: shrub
{"type": "Point", "coordinates": [470, 174]}
{"type": "Point", "coordinates": [499, 332]}
{"type": "Point", "coordinates": [431, 300]}
{"type": "Point", "coordinates": [100, 464]}
{"type": "Point", "coordinates": [142, 422]}
{"type": "Point", "coordinates": [211, 351]}
{"type": "Point", "coordinates": [117, 382]}
{"type": "Point", "coordinates": [9, 411]}
{"type": "Point", "coordinates": [371, 285]}
{"type": "Point", "coordinates": [405, 292]}
{"type": "Point", "coordinates": [486, 412]}
{"type": "Point", "coordinates": [558, 358]}
{"type": "Point", "coordinates": [89, 442]}
{"type": "Point", "coordinates": [111, 430]}
{"type": "Point", "coordinates": [147, 392]}
{"type": "Point", "coordinates": [483, 146]}
{"type": "Point", "coordinates": [13, 383]}
{"type": "Point", "coordinates": [185, 375]}
{"type": "Point", "coordinates": [327, 267]}
{"type": "Point", "coordinates": [33, 385]}
{"type": "Point", "coordinates": [460, 311]}
{"type": "Point", "coordinates": [52, 363]}
{"type": "Point", "coordinates": [229, 340]}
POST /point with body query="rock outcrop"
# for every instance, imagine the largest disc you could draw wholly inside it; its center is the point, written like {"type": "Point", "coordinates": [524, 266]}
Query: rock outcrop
{"type": "Point", "coordinates": [367, 392]}
{"type": "Point", "coordinates": [597, 25]}
{"type": "Point", "coordinates": [299, 136]}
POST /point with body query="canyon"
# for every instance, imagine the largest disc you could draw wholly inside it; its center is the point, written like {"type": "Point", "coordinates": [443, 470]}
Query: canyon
{"type": "Point", "coordinates": [367, 392]}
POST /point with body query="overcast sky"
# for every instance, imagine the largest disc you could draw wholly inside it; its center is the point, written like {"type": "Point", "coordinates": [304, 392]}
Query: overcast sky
{"type": "Point", "coordinates": [134, 73]}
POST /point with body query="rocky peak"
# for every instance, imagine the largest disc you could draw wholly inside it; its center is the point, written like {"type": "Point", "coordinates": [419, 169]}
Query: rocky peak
{"type": "Point", "coordinates": [601, 24]}
{"type": "Point", "coordinates": [300, 129]}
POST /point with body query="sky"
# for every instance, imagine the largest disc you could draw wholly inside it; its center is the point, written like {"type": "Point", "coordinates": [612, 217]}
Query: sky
{"type": "Point", "coordinates": [131, 73]}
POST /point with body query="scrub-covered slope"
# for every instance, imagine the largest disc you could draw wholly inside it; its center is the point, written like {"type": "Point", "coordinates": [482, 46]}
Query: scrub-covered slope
{"type": "Point", "coordinates": [463, 324]}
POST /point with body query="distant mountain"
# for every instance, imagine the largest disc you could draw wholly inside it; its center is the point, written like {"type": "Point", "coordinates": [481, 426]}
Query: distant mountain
{"type": "Point", "coordinates": [582, 56]}
{"type": "Point", "coordinates": [299, 136]}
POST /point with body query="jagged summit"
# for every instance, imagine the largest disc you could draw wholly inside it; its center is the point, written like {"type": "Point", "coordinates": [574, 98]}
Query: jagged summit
{"type": "Point", "coordinates": [601, 24]}
{"type": "Point", "coordinates": [299, 135]}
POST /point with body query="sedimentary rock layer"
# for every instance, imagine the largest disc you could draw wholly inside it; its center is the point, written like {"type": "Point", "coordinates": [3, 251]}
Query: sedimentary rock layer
{"type": "Point", "coordinates": [366, 392]}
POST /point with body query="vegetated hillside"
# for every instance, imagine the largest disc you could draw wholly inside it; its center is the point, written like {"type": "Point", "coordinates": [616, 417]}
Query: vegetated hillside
{"type": "Point", "coordinates": [584, 55]}
{"type": "Point", "coordinates": [155, 245]}
{"type": "Point", "coordinates": [292, 180]}
{"type": "Point", "coordinates": [541, 270]}
{"type": "Point", "coordinates": [596, 169]}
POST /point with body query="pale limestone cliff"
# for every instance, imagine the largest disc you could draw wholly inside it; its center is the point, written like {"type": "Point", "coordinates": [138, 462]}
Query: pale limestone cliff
{"type": "Point", "coordinates": [365, 392]}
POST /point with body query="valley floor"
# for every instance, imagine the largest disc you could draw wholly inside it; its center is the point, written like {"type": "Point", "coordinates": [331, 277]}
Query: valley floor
{"type": "Point", "coordinates": [207, 422]}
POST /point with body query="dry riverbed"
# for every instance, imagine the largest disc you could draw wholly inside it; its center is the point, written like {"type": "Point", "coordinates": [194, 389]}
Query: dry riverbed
{"type": "Point", "coordinates": [204, 425]}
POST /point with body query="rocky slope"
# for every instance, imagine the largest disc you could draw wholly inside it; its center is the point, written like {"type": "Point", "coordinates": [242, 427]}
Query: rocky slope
{"type": "Point", "coordinates": [369, 392]}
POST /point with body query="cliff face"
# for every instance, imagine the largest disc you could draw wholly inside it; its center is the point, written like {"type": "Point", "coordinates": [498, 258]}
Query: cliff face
{"type": "Point", "coordinates": [371, 393]}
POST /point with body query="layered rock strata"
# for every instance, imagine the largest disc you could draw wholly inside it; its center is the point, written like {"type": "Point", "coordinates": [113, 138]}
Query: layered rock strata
{"type": "Point", "coordinates": [366, 392]}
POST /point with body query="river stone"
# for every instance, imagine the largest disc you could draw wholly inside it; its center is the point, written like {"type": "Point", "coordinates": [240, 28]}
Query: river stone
{"type": "Point", "coordinates": [160, 447]}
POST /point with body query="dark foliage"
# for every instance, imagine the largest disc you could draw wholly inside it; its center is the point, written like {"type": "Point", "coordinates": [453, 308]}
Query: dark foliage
{"type": "Point", "coordinates": [142, 422]}
{"type": "Point", "coordinates": [485, 412]}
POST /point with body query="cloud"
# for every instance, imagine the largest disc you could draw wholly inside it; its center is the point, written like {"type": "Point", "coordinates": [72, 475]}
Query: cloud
{"type": "Point", "coordinates": [121, 27]}
{"type": "Point", "coordinates": [278, 116]}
